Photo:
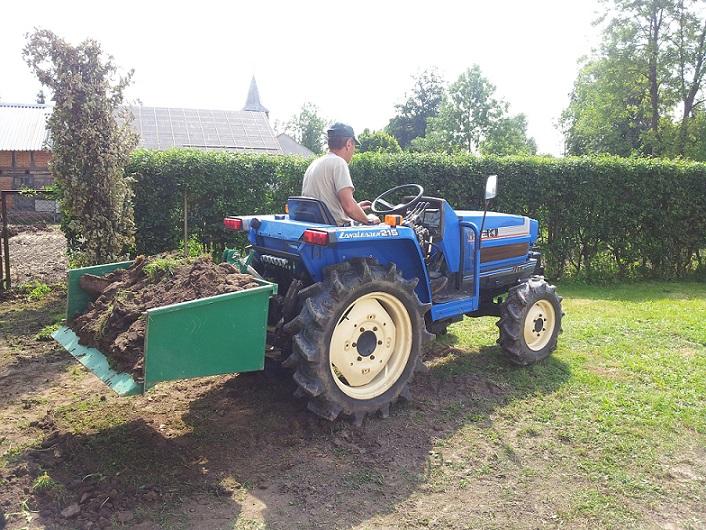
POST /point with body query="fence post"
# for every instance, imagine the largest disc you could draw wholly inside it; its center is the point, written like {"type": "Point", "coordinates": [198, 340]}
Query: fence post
{"type": "Point", "coordinates": [186, 227]}
{"type": "Point", "coordinates": [2, 252]}
{"type": "Point", "coordinates": [5, 241]}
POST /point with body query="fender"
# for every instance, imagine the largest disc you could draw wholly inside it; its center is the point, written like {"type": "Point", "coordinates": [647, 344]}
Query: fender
{"type": "Point", "coordinates": [400, 247]}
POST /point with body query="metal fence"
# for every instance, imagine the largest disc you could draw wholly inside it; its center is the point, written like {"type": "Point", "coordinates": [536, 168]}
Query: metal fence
{"type": "Point", "coordinates": [32, 247]}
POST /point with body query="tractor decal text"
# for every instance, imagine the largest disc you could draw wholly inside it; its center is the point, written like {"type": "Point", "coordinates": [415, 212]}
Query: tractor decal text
{"type": "Point", "coordinates": [385, 232]}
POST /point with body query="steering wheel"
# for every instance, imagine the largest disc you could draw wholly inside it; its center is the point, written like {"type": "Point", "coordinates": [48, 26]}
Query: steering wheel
{"type": "Point", "coordinates": [380, 206]}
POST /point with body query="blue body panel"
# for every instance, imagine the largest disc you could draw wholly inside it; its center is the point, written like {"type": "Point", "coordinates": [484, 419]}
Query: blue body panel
{"type": "Point", "coordinates": [282, 236]}
{"type": "Point", "coordinates": [502, 230]}
{"type": "Point", "coordinates": [384, 243]}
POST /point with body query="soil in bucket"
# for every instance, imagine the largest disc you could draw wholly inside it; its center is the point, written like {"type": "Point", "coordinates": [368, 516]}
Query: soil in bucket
{"type": "Point", "coordinates": [115, 322]}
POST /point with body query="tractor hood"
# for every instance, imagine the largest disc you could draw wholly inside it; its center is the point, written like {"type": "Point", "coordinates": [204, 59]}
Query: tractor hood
{"type": "Point", "coordinates": [502, 225]}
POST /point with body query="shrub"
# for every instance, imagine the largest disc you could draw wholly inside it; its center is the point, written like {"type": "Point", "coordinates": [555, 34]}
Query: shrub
{"type": "Point", "coordinates": [599, 216]}
{"type": "Point", "coordinates": [378, 142]}
{"type": "Point", "coordinates": [91, 142]}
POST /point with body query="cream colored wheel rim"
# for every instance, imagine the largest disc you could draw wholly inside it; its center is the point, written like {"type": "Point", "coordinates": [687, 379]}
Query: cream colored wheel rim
{"type": "Point", "coordinates": [539, 325]}
{"type": "Point", "coordinates": [370, 345]}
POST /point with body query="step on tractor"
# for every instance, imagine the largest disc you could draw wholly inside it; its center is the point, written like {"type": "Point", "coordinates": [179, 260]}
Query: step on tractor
{"type": "Point", "coordinates": [350, 309]}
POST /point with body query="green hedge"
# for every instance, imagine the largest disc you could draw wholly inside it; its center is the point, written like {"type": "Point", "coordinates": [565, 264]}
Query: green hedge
{"type": "Point", "coordinates": [601, 217]}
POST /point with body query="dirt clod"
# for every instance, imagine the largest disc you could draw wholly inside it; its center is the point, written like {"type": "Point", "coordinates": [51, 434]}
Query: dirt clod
{"type": "Point", "coordinates": [71, 511]}
{"type": "Point", "coordinates": [115, 322]}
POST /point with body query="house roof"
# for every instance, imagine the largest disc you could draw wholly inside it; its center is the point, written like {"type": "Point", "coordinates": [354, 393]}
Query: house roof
{"type": "Point", "coordinates": [23, 127]}
{"type": "Point", "coordinates": [291, 147]}
{"type": "Point", "coordinates": [241, 131]}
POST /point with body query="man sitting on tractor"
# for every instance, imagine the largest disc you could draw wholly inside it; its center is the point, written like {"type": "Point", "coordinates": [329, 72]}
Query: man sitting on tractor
{"type": "Point", "coordinates": [329, 179]}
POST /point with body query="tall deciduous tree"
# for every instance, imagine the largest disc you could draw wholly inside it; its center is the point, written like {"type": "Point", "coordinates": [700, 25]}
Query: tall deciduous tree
{"type": "Point", "coordinates": [609, 110]}
{"type": "Point", "coordinates": [691, 57]}
{"type": "Point", "coordinates": [473, 119]}
{"type": "Point", "coordinates": [508, 136]}
{"type": "Point", "coordinates": [641, 32]}
{"type": "Point", "coordinates": [91, 141]}
{"type": "Point", "coordinates": [378, 142]}
{"type": "Point", "coordinates": [410, 121]}
{"type": "Point", "coordinates": [308, 128]}
{"type": "Point", "coordinates": [649, 69]}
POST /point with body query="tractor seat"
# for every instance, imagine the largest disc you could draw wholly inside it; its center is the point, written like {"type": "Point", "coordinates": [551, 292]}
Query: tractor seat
{"type": "Point", "coordinates": [309, 210]}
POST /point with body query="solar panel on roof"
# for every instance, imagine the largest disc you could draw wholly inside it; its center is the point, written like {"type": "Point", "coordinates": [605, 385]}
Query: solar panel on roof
{"type": "Point", "coordinates": [163, 127]}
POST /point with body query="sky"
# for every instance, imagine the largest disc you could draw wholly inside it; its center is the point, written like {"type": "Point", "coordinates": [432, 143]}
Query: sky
{"type": "Point", "coordinates": [354, 60]}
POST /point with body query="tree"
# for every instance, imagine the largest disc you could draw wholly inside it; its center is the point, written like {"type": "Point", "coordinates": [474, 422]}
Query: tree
{"type": "Point", "coordinates": [691, 56]}
{"type": "Point", "coordinates": [469, 110]}
{"type": "Point", "coordinates": [508, 136]}
{"type": "Point", "coordinates": [91, 140]}
{"type": "Point", "coordinates": [650, 67]}
{"type": "Point", "coordinates": [410, 122]}
{"type": "Point", "coordinates": [608, 111]}
{"type": "Point", "coordinates": [378, 142]}
{"type": "Point", "coordinates": [308, 128]}
{"type": "Point", "coordinates": [695, 137]}
{"type": "Point", "coordinates": [641, 33]}
{"type": "Point", "coordinates": [472, 119]}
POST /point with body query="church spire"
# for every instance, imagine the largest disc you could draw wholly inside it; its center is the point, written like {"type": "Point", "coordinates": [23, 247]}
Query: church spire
{"type": "Point", "coordinates": [253, 102]}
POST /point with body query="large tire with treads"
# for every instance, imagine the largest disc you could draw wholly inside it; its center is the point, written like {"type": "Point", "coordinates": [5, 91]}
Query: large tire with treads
{"type": "Point", "coordinates": [530, 321]}
{"type": "Point", "coordinates": [358, 340]}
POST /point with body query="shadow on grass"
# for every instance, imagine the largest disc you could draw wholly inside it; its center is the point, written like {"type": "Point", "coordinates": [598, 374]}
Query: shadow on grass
{"type": "Point", "coordinates": [247, 441]}
{"type": "Point", "coordinates": [21, 318]}
{"type": "Point", "coordinates": [27, 364]}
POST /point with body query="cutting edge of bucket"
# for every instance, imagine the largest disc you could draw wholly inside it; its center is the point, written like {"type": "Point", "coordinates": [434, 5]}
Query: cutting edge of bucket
{"type": "Point", "coordinates": [97, 363]}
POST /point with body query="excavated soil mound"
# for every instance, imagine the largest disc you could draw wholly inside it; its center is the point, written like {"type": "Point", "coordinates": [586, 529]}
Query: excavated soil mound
{"type": "Point", "coordinates": [115, 322]}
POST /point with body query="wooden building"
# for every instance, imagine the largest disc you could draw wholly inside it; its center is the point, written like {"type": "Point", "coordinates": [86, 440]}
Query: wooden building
{"type": "Point", "coordinates": [24, 151]}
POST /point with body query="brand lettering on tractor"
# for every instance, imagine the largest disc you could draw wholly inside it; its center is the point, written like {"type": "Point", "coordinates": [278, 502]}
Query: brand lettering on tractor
{"type": "Point", "coordinates": [385, 232]}
{"type": "Point", "coordinates": [489, 233]}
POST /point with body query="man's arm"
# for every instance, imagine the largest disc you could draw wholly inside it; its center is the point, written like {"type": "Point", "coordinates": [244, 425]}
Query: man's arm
{"type": "Point", "coordinates": [353, 209]}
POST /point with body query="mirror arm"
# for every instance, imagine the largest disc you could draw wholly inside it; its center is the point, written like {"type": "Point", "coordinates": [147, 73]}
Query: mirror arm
{"type": "Point", "coordinates": [482, 224]}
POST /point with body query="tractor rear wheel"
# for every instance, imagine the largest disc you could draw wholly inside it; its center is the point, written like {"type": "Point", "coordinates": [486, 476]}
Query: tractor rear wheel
{"type": "Point", "coordinates": [357, 340]}
{"type": "Point", "coordinates": [530, 321]}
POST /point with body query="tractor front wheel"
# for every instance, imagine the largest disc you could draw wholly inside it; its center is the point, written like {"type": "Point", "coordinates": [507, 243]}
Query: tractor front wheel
{"type": "Point", "coordinates": [530, 321]}
{"type": "Point", "coordinates": [358, 340]}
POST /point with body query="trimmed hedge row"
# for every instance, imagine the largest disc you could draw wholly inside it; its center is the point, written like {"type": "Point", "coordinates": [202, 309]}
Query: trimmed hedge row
{"type": "Point", "coordinates": [601, 217]}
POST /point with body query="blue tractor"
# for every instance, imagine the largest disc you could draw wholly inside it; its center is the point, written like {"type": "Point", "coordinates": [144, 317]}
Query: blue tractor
{"type": "Point", "coordinates": [358, 304]}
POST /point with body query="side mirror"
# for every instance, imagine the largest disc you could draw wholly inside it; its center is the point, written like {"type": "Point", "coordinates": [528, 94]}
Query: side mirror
{"type": "Point", "coordinates": [491, 187]}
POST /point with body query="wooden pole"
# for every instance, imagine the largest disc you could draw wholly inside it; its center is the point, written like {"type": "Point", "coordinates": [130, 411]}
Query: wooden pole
{"type": "Point", "coordinates": [186, 227]}
{"type": "Point", "coordinates": [5, 240]}
{"type": "Point", "coordinates": [2, 238]}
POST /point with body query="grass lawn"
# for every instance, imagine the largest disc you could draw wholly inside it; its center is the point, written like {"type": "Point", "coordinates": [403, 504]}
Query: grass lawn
{"type": "Point", "coordinates": [621, 435]}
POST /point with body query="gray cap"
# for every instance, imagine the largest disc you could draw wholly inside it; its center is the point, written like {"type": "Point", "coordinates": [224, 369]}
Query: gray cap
{"type": "Point", "coordinates": [342, 130]}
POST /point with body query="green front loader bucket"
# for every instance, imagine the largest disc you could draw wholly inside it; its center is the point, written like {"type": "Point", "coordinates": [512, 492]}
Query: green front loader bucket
{"type": "Point", "coordinates": [216, 335]}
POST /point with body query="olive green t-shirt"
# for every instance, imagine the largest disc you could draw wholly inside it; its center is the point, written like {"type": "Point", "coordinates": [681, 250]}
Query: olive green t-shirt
{"type": "Point", "coordinates": [324, 178]}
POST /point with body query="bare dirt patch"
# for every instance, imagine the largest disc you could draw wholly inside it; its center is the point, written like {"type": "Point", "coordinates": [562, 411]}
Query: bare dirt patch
{"type": "Point", "coordinates": [115, 323]}
{"type": "Point", "coordinates": [37, 252]}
